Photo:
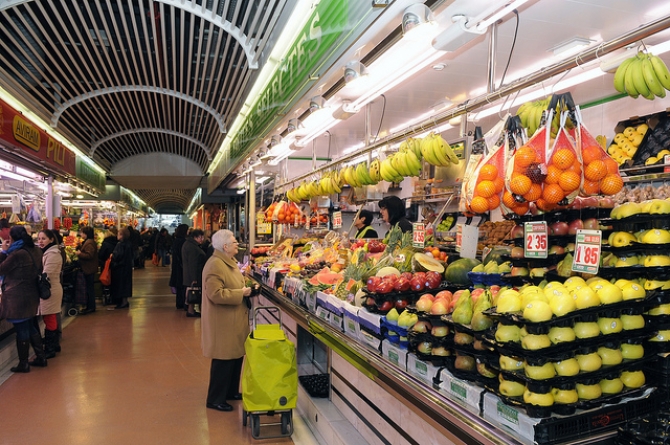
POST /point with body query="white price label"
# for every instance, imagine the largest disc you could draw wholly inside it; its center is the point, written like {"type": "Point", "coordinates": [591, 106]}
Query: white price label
{"type": "Point", "coordinates": [418, 235]}
{"type": "Point", "coordinates": [263, 228]}
{"type": "Point", "coordinates": [535, 240]}
{"type": "Point", "coordinates": [307, 222]}
{"type": "Point", "coordinates": [587, 251]}
{"type": "Point", "coordinates": [337, 220]}
{"type": "Point", "coordinates": [459, 237]}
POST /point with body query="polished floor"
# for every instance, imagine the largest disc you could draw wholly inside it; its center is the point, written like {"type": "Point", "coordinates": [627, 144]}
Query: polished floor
{"type": "Point", "coordinates": [127, 376]}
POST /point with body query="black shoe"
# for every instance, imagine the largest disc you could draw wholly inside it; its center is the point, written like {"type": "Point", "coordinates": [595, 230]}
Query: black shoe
{"type": "Point", "coordinates": [220, 406]}
{"type": "Point", "coordinates": [40, 362]}
{"type": "Point", "coordinates": [124, 306]}
{"type": "Point", "coordinates": [23, 366]}
{"type": "Point", "coordinates": [86, 311]}
{"type": "Point", "coordinates": [237, 396]}
{"type": "Point", "coordinates": [193, 314]}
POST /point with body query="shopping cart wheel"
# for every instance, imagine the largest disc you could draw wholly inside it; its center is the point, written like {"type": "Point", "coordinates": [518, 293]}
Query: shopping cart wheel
{"type": "Point", "coordinates": [244, 418]}
{"type": "Point", "coordinates": [255, 425]}
{"type": "Point", "coordinates": [72, 311]}
{"type": "Point", "coordinates": [286, 426]}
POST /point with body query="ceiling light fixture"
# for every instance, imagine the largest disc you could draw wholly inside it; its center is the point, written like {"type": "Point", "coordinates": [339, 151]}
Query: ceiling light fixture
{"type": "Point", "coordinates": [482, 24]}
{"type": "Point", "coordinates": [317, 124]}
{"type": "Point", "coordinates": [414, 16]}
{"type": "Point", "coordinates": [354, 71]}
{"type": "Point", "coordinates": [571, 46]}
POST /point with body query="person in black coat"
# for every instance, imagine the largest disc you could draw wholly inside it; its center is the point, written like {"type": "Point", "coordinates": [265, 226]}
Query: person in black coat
{"type": "Point", "coordinates": [392, 210]}
{"type": "Point", "coordinates": [108, 245]}
{"type": "Point", "coordinates": [176, 274]}
{"type": "Point", "coordinates": [163, 242]}
{"type": "Point", "coordinates": [122, 270]}
{"type": "Point", "coordinates": [194, 259]}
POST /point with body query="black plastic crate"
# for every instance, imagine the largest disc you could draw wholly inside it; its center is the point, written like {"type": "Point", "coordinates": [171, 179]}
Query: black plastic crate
{"type": "Point", "coordinates": [317, 385]}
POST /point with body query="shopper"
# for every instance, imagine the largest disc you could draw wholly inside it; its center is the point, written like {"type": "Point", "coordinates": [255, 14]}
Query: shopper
{"type": "Point", "coordinates": [20, 265]}
{"type": "Point", "coordinates": [392, 210]}
{"type": "Point", "coordinates": [136, 243]}
{"type": "Point", "coordinates": [52, 265]}
{"type": "Point", "coordinates": [4, 229]}
{"type": "Point", "coordinates": [163, 242]}
{"type": "Point", "coordinates": [362, 223]}
{"type": "Point", "coordinates": [225, 321]}
{"type": "Point", "coordinates": [122, 271]}
{"type": "Point", "coordinates": [177, 272]}
{"type": "Point", "coordinates": [194, 259]}
{"type": "Point", "coordinates": [88, 261]}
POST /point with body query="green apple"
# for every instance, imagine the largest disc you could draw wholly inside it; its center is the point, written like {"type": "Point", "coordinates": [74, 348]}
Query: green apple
{"type": "Point", "coordinates": [509, 388]}
{"type": "Point", "coordinates": [533, 398]}
{"type": "Point", "coordinates": [589, 362]}
{"type": "Point", "coordinates": [567, 367]}
{"type": "Point", "coordinates": [508, 333]}
{"type": "Point", "coordinates": [632, 379]}
{"type": "Point", "coordinates": [537, 311]}
{"type": "Point", "coordinates": [609, 294]}
{"type": "Point", "coordinates": [586, 329]}
{"type": "Point", "coordinates": [656, 236]}
{"type": "Point", "coordinates": [510, 363]}
{"type": "Point", "coordinates": [586, 297]}
{"type": "Point", "coordinates": [561, 334]}
{"type": "Point", "coordinates": [633, 291]}
{"type": "Point", "coordinates": [589, 392]}
{"type": "Point", "coordinates": [573, 282]}
{"type": "Point", "coordinates": [610, 356]}
{"type": "Point", "coordinates": [509, 302]}
{"type": "Point", "coordinates": [632, 352]}
{"type": "Point", "coordinates": [611, 386]}
{"type": "Point", "coordinates": [565, 396]}
{"type": "Point", "coordinates": [630, 322]}
{"type": "Point", "coordinates": [608, 325]}
{"type": "Point", "coordinates": [562, 303]}
{"type": "Point", "coordinates": [533, 342]}
{"type": "Point", "coordinates": [543, 372]}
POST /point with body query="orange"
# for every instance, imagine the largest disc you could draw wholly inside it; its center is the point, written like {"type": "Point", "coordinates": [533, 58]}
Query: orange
{"type": "Point", "coordinates": [508, 200]}
{"type": "Point", "coordinates": [595, 171]}
{"type": "Point", "coordinates": [544, 205]}
{"type": "Point", "coordinates": [553, 193]}
{"type": "Point", "coordinates": [534, 193]}
{"type": "Point", "coordinates": [611, 184]}
{"type": "Point", "coordinates": [575, 167]}
{"type": "Point", "coordinates": [569, 181]}
{"type": "Point", "coordinates": [524, 157]}
{"type": "Point", "coordinates": [591, 187]}
{"type": "Point", "coordinates": [520, 184]}
{"type": "Point", "coordinates": [563, 158]}
{"type": "Point", "coordinates": [521, 209]}
{"type": "Point", "coordinates": [485, 189]}
{"type": "Point", "coordinates": [494, 202]}
{"type": "Point", "coordinates": [591, 153]}
{"type": "Point", "coordinates": [479, 204]}
{"type": "Point", "coordinates": [612, 166]}
{"type": "Point", "coordinates": [553, 173]}
{"type": "Point", "coordinates": [488, 172]}
{"type": "Point", "coordinates": [500, 184]}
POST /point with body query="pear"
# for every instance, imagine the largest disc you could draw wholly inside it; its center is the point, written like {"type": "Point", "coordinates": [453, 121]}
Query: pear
{"type": "Point", "coordinates": [463, 310]}
{"type": "Point", "coordinates": [392, 316]}
{"type": "Point", "coordinates": [564, 267]}
{"type": "Point", "coordinates": [479, 268]}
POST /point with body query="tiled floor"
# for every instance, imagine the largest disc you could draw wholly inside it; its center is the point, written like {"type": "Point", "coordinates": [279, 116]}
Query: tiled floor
{"type": "Point", "coordinates": [132, 376]}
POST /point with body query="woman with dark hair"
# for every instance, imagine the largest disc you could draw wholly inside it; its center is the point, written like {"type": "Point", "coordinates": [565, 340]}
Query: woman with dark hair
{"type": "Point", "coordinates": [194, 259]}
{"type": "Point", "coordinates": [392, 210]}
{"type": "Point", "coordinates": [20, 266]}
{"type": "Point", "coordinates": [88, 260]}
{"type": "Point", "coordinates": [163, 241]}
{"type": "Point", "coordinates": [52, 264]}
{"type": "Point", "coordinates": [122, 271]}
{"type": "Point", "coordinates": [177, 273]}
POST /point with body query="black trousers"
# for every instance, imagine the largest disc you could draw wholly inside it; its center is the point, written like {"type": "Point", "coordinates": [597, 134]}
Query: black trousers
{"type": "Point", "coordinates": [224, 380]}
{"type": "Point", "coordinates": [181, 297]}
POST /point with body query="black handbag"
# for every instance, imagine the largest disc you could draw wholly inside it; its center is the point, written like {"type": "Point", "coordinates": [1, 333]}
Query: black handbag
{"type": "Point", "coordinates": [44, 286]}
{"type": "Point", "coordinates": [193, 295]}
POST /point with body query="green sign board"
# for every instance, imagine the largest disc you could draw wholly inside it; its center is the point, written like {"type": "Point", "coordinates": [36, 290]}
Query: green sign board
{"type": "Point", "coordinates": [86, 173]}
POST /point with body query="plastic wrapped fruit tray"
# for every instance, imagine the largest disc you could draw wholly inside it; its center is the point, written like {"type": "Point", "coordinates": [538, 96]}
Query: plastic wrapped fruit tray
{"type": "Point", "coordinates": [317, 385]}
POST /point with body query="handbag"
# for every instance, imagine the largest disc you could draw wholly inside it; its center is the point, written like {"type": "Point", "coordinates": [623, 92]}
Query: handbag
{"type": "Point", "coordinates": [166, 260]}
{"type": "Point", "coordinates": [193, 295]}
{"type": "Point", "coordinates": [154, 259]}
{"type": "Point", "coordinates": [106, 274]}
{"type": "Point", "coordinates": [44, 286]}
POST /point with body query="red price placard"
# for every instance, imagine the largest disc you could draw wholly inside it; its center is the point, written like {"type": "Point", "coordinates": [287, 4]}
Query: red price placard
{"type": "Point", "coordinates": [418, 235]}
{"type": "Point", "coordinates": [536, 243]}
{"type": "Point", "coordinates": [587, 251]}
{"type": "Point", "coordinates": [337, 220]}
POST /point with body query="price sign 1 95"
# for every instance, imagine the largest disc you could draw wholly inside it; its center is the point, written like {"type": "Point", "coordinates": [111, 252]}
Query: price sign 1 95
{"type": "Point", "coordinates": [587, 251]}
{"type": "Point", "coordinates": [535, 240]}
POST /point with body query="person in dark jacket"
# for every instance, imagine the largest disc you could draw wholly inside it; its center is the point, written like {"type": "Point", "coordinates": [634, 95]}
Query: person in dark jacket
{"type": "Point", "coordinates": [136, 242]}
{"type": "Point", "coordinates": [108, 245]}
{"type": "Point", "coordinates": [193, 258]}
{"type": "Point", "coordinates": [362, 223]}
{"type": "Point", "coordinates": [20, 265]}
{"type": "Point", "coordinates": [392, 210]}
{"type": "Point", "coordinates": [122, 270]}
{"type": "Point", "coordinates": [163, 241]}
{"type": "Point", "coordinates": [177, 264]}
{"type": "Point", "coordinates": [88, 260]}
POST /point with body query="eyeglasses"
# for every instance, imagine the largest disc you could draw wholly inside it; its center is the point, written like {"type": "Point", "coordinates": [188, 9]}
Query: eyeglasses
{"type": "Point", "coordinates": [229, 244]}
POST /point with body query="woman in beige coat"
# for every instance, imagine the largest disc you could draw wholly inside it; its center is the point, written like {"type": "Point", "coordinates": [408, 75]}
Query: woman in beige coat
{"type": "Point", "coordinates": [225, 320]}
{"type": "Point", "coordinates": [52, 264]}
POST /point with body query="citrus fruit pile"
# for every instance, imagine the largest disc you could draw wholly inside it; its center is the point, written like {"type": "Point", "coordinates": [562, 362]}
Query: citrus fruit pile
{"type": "Point", "coordinates": [525, 184]}
{"type": "Point", "coordinates": [283, 212]}
{"type": "Point", "coordinates": [488, 187]}
{"type": "Point", "coordinates": [601, 172]}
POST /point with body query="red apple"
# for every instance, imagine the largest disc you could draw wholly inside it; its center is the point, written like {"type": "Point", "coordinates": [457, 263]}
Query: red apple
{"type": "Point", "coordinates": [446, 294]}
{"type": "Point", "coordinates": [407, 275]}
{"type": "Point", "coordinates": [476, 293]}
{"type": "Point", "coordinates": [575, 225]}
{"type": "Point", "coordinates": [417, 284]}
{"type": "Point", "coordinates": [591, 224]}
{"type": "Point", "coordinates": [427, 297]}
{"type": "Point", "coordinates": [372, 283]}
{"type": "Point", "coordinates": [517, 232]}
{"type": "Point", "coordinates": [386, 306]}
{"type": "Point", "coordinates": [517, 252]}
{"type": "Point", "coordinates": [401, 304]}
{"type": "Point", "coordinates": [494, 289]}
{"type": "Point", "coordinates": [402, 284]}
{"type": "Point", "coordinates": [606, 203]}
{"type": "Point", "coordinates": [433, 280]}
{"type": "Point", "coordinates": [559, 228]}
{"type": "Point", "coordinates": [424, 305]}
{"type": "Point", "coordinates": [370, 301]}
{"type": "Point", "coordinates": [384, 287]}
{"type": "Point", "coordinates": [438, 308]}
{"type": "Point", "coordinates": [420, 275]}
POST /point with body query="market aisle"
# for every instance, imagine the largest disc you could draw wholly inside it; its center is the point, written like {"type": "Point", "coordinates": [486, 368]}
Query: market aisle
{"type": "Point", "coordinates": [125, 377]}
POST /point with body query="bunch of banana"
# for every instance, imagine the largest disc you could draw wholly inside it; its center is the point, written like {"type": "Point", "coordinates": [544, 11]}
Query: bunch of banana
{"type": "Point", "coordinates": [329, 183]}
{"type": "Point", "coordinates": [625, 144]}
{"type": "Point", "coordinates": [388, 172]}
{"type": "Point", "coordinates": [530, 114]}
{"type": "Point", "coordinates": [375, 171]}
{"type": "Point", "coordinates": [436, 151]}
{"type": "Point", "coordinates": [350, 177]}
{"type": "Point", "coordinates": [406, 163]}
{"type": "Point", "coordinates": [305, 191]}
{"type": "Point", "coordinates": [643, 75]}
{"type": "Point", "coordinates": [363, 175]}
{"type": "Point", "coordinates": [412, 144]}
{"type": "Point", "coordinates": [292, 196]}
{"type": "Point", "coordinates": [602, 141]}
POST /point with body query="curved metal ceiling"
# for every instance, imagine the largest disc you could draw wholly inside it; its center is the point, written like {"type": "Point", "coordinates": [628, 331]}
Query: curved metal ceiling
{"type": "Point", "coordinates": [121, 78]}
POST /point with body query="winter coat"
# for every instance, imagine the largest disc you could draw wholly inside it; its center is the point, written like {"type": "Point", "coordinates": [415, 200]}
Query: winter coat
{"type": "Point", "coordinates": [163, 242]}
{"type": "Point", "coordinates": [225, 316]}
{"type": "Point", "coordinates": [52, 264]}
{"type": "Point", "coordinates": [88, 257]}
{"type": "Point", "coordinates": [194, 259]}
{"type": "Point", "coordinates": [122, 271]}
{"type": "Point", "coordinates": [108, 245]}
{"type": "Point", "coordinates": [20, 296]}
{"type": "Point", "coordinates": [177, 271]}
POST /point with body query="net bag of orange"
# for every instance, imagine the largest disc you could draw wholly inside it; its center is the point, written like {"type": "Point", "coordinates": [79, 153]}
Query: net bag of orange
{"type": "Point", "coordinates": [526, 171]}
{"type": "Point", "coordinates": [483, 181]}
{"type": "Point", "coordinates": [601, 172]}
{"type": "Point", "coordinates": [281, 212]}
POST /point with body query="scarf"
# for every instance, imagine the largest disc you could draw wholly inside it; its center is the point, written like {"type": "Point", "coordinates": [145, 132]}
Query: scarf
{"type": "Point", "coordinates": [48, 246]}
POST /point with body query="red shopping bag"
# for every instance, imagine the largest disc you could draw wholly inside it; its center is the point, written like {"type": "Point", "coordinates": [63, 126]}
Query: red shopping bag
{"type": "Point", "coordinates": [106, 274]}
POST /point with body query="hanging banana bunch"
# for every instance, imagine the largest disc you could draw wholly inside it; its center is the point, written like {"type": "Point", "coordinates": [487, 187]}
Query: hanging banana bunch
{"type": "Point", "coordinates": [436, 151]}
{"type": "Point", "coordinates": [643, 75]}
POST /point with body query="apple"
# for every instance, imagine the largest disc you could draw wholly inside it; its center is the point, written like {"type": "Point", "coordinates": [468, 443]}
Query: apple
{"type": "Point", "coordinates": [417, 284]}
{"type": "Point", "coordinates": [464, 363]}
{"type": "Point", "coordinates": [476, 293]}
{"type": "Point", "coordinates": [422, 327]}
{"type": "Point", "coordinates": [520, 272]}
{"type": "Point", "coordinates": [510, 388]}
{"type": "Point", "coordinates": [606, 203]}
{"type": "Point", "coordinates": [565, 396]}
{"type": "Point", "coordinates": [567, 367]}
{"type": "Point", "coordinates": [407, 275]}
{"type": "Point", "coordinates": [424, 305]}
{"type": "Point", "coordinates": [372, 283]}
{"type": "Point", "coordinates": [589, 392]}
{"type": "Point", "coordinates": [589, 362]}
{"type": "Point", "coordinates": [559, 228]}
{"type": "Point", "coordinates": [485, 371]}
{"type": "Point", "coordinates": [445, 294]}
{"type": "Point", "coordinates": [386, 306]}
{"type": "Point", "coordinates": [439, 331]}
{"type": "Point", "coordinates": [420, 275]}
{"type": "Point", "coordinates": [591, 224]}
{"type": "Point", "coordinates": [611, 386]}
{"type": "Point", "coordinates": [370, 301]}
{"type": "Point", "coordinates": [538, 399]}
{"type": "Point", "coordinates": [384, 287]}
{"type": "Point", "coordinates": [632, 379]}
{"type": "Point", "coordinates": [517, 231]}
{"type": "Point", "coordinates": [402, 284]}
{"type": "Point", "coordinates": [517, 252]}
{"type": "Point", "coordinates": [575, 225]}
{"type": "Point", "coordinates": [433, 280]}
{"type": "Point", "coordinates": [440, 351]}
{"type": "Point", "coordinates": [401, 304]}
{"type": "Point", "coordinates": [556, 250]}
{"type": "Point", "coordinates": [510, 363]}
{"type": "Point", "coordinates": [425, 347]}
{"type": "Point", "coordinates": [439, 308]}
{"type": "Point", "coordinates": [463, 339]}
{"type": "Point", "coordinates": [542, 372]}
{"type": "Point", "coordinates": [494, 290]}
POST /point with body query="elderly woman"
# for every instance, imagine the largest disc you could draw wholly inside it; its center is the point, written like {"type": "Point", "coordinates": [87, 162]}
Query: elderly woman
{"type": "Point", "coordinates": [20, 264]}
{"type": "Point", "coordinates": [225, 320]}
{"type": "Point", "coordinates": [122, 270]}
{"type": "Point", "coordinates": [52, 264]}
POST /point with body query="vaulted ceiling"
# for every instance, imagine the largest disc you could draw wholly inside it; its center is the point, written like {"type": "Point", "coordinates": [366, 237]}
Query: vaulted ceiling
{"type": "Point", "coordinates": [124, 78]}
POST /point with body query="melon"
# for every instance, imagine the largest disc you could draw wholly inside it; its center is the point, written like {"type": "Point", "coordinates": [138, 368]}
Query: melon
{"type": "Point", "coordinates": [388, 270]}
{"type": "Point", "coordinates": [314, 281]}
{"type": "Point", "coordinates": [329, 279]}
{"type": "Point", "coordinates": [457, 272]}
{"type": "Point", "coordinates": [425, 263]}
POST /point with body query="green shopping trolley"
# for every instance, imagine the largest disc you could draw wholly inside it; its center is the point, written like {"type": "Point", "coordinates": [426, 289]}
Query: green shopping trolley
{"type": "Point", "coordinates": [270, 377]}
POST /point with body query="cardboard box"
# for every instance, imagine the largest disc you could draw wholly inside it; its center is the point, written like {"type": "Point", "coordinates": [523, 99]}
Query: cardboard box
{"type": "Point", "coordinates": [370, 340]}
{"type": "Point", "coordinates": [337, 321]}
{"type": "Point", "coordinates": [371, 321]}
{"type": "Point", "coordinates": [423, 370]}
{"type": "Point", "coordinates": [462, 392]}
{"type": "Point", "coordinates": [395, 354]}
{"type": "Point", "coordinates": [351, 326]}
{"type": "Point", "coordinates": [323, 314]}
{"type": "Point", "coordinates": [310, 302]}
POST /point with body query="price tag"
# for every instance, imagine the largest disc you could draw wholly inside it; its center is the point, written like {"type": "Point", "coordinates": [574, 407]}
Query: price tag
{"type": "Point", "coordinates": [459, 237]}
{"type": "Point", "coordinates": [587, 251]}
{"type": "Point", "coordinates": [263, 228]}
{"type": "Point", "coordinates": [337, 220]}
{"type": "Point", "coordinates": [307, 222]}
{"type": "Point", "coordinates": [418, 235]}
{"type": "Point", "coordinates": [535, 240]}
{"type": "Point", "coordinates": [666, 161]}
